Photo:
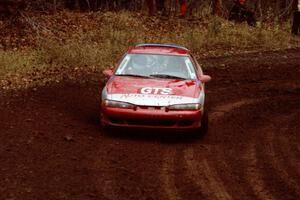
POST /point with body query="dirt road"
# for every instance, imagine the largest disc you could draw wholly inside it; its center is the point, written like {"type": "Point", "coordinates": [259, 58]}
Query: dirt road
{"type": "Point", "coordinates": [51, 145]}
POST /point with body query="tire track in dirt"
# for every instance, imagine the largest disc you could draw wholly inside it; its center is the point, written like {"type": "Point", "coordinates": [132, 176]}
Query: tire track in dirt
{"type": "Point", "coordinates": [277, 160]}
{"type": "Point", "coordinates": [131, 168]}
{"type": "Point", "coordinates": [201, 172]}
{"type": "Point", "coordinates": [254, 176]}
{"type": "Point", "coordinates": [167, 175]}
{"type": "Point", "coordinates": [220, 111]}
{"type": "Point", "coordinates": [104, 179]}
{"type": "Point", "coordinates": [199, 168]}
{"type": "Point", "coordinates": [290, 148]}
{"type": "Point", "coordinates": [205, 177]}
{"type": "Point", "coordinates": [211, 179]}
{"type": "Point", "coordinates": [281, 162]}
{"type": "Point", "coordinates": [263, 166]}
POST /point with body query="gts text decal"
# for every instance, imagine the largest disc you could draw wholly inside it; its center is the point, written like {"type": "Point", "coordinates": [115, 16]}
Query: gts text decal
{"type": "Point", "coordinates": [150, 90]}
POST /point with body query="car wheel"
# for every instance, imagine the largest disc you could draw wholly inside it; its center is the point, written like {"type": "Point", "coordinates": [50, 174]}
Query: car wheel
{"type": "Point", "coordinates": [200, 132]}
{"type": "Point", "coordinates": [103, 126]}
{"type": "Point", "coordinates": [204, 124]}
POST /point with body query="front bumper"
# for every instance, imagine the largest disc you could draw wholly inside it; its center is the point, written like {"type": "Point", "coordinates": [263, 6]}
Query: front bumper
{"type": "Point", "coordinates": [151, 117]}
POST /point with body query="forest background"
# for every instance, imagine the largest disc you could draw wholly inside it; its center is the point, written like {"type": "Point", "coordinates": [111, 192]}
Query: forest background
{"type": "Point", "coordinates": [43, 40]}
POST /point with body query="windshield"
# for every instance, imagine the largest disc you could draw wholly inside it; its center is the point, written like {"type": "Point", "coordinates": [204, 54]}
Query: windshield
{"type": "Point", "coordinates": [160, 66]}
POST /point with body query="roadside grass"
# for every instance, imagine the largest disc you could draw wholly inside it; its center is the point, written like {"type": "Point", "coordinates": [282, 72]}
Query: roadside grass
{"type": "Point", "coordinates": [109, 35]}
{"type": "Point", "coordinates": [19, 61]}
{"type": "Point", "coordinates": [221, 35]}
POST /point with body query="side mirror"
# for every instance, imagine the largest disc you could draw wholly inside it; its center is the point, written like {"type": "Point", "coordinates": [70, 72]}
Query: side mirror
{"type": "Point", "coordinates": [108, 72]}
{"type": "Point", "coordinates": [204, 78]}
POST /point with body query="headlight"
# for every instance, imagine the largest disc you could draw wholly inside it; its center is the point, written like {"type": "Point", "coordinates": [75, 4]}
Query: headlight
{"type": "Point", "coordinates": [117, 104]}
{"type": "Point", "coordinates": [191, 106]}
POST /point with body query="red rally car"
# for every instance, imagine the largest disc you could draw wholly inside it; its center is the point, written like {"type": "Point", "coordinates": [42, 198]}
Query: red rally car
{"type": "Point", "coordinates": [155, 86]}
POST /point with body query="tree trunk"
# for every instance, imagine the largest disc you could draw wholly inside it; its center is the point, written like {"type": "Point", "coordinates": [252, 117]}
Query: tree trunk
{"type": "Point", "coordinates": [54, 6]}
{"type": "Point", "coordinates": [216, 7]}
{"type": "Point", "coordinates": [88, 4]}
{"type": "Point", "coordinates": [296, 20]}
{"type": "Point", "coordinates": [150, 5]}
{"type": "Point", "coordinates": [260, 10]}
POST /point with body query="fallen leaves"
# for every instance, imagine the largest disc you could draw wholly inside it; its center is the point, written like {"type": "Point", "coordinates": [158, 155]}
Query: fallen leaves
{"type": "Point", "coordinates": [44, 77]}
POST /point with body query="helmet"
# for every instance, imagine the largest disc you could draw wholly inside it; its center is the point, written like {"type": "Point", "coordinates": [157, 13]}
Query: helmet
{"type": "Point", "coordinates": [142, 64]}
{"type": "Point", "coordinates": [143, 61]}
{"type": "Point", "coordinates": [138, 61]}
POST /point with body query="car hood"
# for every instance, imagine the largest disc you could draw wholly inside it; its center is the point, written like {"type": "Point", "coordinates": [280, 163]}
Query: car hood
{"type": "Point", "coordinates": [154, 91]}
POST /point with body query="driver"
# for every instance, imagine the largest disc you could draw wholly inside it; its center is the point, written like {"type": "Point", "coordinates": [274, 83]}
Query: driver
{"type": "Point", "coordinates": [176, 66]}
{"type": "Point", "coordinates": [142, 64]}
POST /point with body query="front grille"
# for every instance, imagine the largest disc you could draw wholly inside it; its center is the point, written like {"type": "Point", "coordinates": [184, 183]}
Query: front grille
{"type": "Point", "coordinates": [185, 123]}
{"type": "Point", "coordinates": [152, 107]}
{"type": "Point", "coordinates": [115, 120]}
{"type": "Point", "coordinates": [152, 122]}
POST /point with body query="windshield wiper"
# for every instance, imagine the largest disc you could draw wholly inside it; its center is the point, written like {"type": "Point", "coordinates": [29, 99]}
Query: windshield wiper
{"type": "Point", "coordinates": [167, 76]}
{"type": "Point", "coordinates": [133, 75]}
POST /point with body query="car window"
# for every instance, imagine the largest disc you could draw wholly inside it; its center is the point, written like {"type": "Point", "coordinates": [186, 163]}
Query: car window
{"type": "Point", "coordinates": [150, 64]}
{"type": "Point", "coordinates": [198, 66]}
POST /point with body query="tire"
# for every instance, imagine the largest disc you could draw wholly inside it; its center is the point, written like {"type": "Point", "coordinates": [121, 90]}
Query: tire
{"type": "Point", "coordinates": [204, 124]}
{"type": "Point", "coordinates": [103, 126]}
{"type": "Point", "coordinates": [201, 131]}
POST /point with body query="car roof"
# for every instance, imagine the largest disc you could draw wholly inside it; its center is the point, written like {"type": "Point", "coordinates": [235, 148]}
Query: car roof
{"type": "Point", "coordinates": [165, 49]}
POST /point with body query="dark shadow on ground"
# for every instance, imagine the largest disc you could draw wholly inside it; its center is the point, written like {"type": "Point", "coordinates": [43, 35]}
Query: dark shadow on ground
{"type": "Point", "coordinates": [160, 136]}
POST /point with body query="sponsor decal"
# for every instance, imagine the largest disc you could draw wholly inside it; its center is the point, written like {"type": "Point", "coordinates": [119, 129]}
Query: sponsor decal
{"type": "Point", "coordinates": [126, 96]}
{"type": "Point", "coordinates": [153, 99]}
{"type": "Point", "coordinates": [160, 91]}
